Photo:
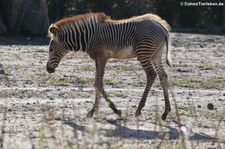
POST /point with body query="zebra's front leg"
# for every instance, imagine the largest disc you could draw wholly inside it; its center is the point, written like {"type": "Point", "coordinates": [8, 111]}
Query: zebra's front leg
{"type": "Point", "coordinates": [151, 75]}
{"type": "Point", "coordinates": [96, 104]}
{"type": "Point", "coordinates": [110, 103]}
{"type": "Point", "coordinates": [100, 63]}
{"type": "Point", "coordinates": [101, 68]}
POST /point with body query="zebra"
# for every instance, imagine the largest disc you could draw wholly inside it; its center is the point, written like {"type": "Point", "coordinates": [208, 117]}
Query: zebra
{"type": "Point", "coordinates": [142, 37]}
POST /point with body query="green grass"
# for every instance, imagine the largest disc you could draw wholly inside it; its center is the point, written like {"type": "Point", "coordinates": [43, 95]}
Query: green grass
{"type": "Point", "coordinates": [110, 81]}
{"type": "Point", "coordinates": [123, 68]}
{"type": "Point", "coordinates": [63, 81]}
{"type": "Point", "coordinates": [206, 67]}
{"type": "Point", "coordinates": [207, 83]}
{"type": "Point", "coordinates": [84, 95]}
{"type": "Point", "coordinates": [114, 95]}
{"type": "Point", "coordinates": [17, 93]}
{"type": "Point", "coordinates": [86, 68]}
{"type": "Point", "coordinates": [37, 54]}
{"type": "Point", "coordinates": [187, 113]}
{"type": "Point", "coordinates": [45, 80]}
{"type": "Point", "coordinates": [210, 114]}
{"type": "Point", "coordinates": [2, 76]}
{"type": "Point", "coordinates": [85, 80]}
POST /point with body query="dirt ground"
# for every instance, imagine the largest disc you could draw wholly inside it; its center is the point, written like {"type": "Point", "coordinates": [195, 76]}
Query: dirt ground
{"type": "Point", "coordinates": [38, 110]}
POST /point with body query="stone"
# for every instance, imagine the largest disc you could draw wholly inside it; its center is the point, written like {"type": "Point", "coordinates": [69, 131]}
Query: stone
{"type": "Point", "coordinates": [58, 118]}
{"type": "Point", "coordinates": [210, 106]}
{"type": "Point", "coordinates": [2, 71]}
{"type": "Point", "coordinates": [9, 110]}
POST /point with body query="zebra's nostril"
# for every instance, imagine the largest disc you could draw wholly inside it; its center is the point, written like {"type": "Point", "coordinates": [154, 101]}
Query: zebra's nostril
{"type": "Point", "coordinates": [50, 69]}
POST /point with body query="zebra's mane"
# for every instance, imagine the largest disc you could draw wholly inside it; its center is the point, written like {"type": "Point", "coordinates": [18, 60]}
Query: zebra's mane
{"type": "Point", "coordinates": [100, 17]}
{"type": "Point", "coordinates": [103, 18]}
{"type": "Point", "coordinates": [88, 17]}
{"type": "Point", "coordinates": [148, 16]}
{"type": "Point", "coordinates": [64, 23]}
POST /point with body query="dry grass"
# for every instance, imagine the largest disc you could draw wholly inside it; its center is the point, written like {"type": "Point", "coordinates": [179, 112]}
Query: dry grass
{"type": "Point", "coordinates": [62, 130]}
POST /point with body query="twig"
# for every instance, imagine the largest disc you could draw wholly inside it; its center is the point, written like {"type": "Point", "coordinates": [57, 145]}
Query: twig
{"type": "Point", "coordinates": [2, 128]}
{"type": "Point", "coordinates": [178, 118]}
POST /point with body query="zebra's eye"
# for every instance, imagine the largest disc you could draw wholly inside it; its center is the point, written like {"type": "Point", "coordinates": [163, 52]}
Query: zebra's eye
{"type": "Point", "coordinates": [50, 50]}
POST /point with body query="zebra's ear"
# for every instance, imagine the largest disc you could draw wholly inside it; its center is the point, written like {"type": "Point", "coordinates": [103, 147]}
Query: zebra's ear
{"type": "Point", "coordinates": [54, 30]}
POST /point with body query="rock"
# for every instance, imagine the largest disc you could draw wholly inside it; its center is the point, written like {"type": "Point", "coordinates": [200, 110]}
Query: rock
{"type": "Point", "coordinates": [3, 29]}
{"type": "Point", "coordinates": [179, 70]}
{"type": "Point", "coordinates": [210, 106]}
{"type": "Point", "coordinates": [9, 110]}
{"type": "Point", "coordinates": [183, 70]}
{"type": "Point", "coordinates": [2, 70]}
{"type": "Point", "coordinates": [190, 94]}
{"type": "Point", "coordinates": [205, 126]}
{"type": "Point", "coordinates": [133, 106]}
{"type": "Point", "coordinates": [58, 118]}
{"type": "Point", "coordinates": [26, 17]}
{"type": "Point", "coordinates": [35, 20]}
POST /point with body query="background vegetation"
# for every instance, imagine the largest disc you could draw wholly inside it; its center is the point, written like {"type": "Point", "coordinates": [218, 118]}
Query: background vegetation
{"type": "Point", "coordinates": [171, 10]}
{"type": "Point", "coordinates": [28, 16]}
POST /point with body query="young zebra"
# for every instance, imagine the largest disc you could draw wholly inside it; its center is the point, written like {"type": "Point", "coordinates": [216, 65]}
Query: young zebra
{"type": "Point", "coordinates": [102, 38]}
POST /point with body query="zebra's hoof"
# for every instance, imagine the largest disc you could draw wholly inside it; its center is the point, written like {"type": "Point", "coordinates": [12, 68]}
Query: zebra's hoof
{"type": "Point", "coordinates": [138, 113]}
{"type": "Point", "coordinates": [119, 113]}
{"type": "Point", "coordinates": [163, 117]}
{"type": "Point", "coordinates": [90, 114]}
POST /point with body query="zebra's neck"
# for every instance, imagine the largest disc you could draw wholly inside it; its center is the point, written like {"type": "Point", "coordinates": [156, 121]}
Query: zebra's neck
{"type": "Point", "coordinates": [77, 35]}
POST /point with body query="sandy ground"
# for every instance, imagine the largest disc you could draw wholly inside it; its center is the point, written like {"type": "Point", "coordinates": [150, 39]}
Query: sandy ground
{"type": "Point", "coordinates": [38, 110]}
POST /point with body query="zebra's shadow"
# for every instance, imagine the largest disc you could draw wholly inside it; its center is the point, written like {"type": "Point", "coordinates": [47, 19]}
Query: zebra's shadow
{"type": "Point", "coordinates": [172, 133]}
{"type": "Point", "coordinates": [121, 131]}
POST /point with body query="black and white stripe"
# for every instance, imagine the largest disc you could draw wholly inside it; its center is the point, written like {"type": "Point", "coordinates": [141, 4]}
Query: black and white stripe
{"type": "Point", "coordinates": [143, 38]}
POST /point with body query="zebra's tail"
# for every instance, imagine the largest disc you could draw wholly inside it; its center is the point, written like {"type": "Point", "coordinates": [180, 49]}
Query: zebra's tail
{"type": "Point", "coordinates": [168, 51]}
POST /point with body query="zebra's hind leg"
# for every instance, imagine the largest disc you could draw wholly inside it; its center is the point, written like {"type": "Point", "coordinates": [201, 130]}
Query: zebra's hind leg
{"type": "Point", "coordinates": [151, 75]}
{"type": "Point", "coordinates": [164, 84]}
{"type": "Point", "coordinates": [156, 61]}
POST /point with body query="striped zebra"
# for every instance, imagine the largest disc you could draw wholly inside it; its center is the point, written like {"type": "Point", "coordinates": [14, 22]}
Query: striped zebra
{"type": "Point", "coordinates": [102, 38]}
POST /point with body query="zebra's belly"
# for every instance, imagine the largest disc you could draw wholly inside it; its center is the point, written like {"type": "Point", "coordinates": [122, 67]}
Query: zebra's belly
{"type": "Point", "coordinates": [127, 52]}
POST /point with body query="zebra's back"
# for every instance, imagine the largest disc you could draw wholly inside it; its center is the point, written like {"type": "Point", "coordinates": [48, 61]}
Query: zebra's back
{"type": "Point", "coordinates": [120, 40]}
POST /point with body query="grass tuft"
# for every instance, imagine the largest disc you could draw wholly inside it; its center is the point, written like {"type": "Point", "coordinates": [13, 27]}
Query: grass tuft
{"type": "Point", "coordinates": [208, 83]}
{"type": "Point", "coordinates": [206, 67]}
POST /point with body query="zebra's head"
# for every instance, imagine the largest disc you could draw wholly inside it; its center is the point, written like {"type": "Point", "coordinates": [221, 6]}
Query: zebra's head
{"type": "Point", "coordinates": [56, 49]}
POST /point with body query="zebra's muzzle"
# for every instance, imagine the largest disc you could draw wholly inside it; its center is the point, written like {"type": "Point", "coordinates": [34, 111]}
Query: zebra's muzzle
{"type": "Point", "coordinates": [50, 69]}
